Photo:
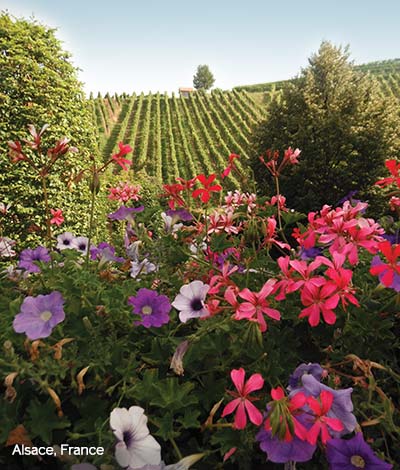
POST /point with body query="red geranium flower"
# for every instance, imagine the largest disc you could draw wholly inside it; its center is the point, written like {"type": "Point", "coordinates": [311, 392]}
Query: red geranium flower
{"type": "Point", "coordinates": [118, 157]}
{"type": "Point", "coordinates": [204, 193]}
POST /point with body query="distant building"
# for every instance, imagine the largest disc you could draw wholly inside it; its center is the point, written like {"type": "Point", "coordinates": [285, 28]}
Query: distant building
{"type": "Point", "coordinates": [185, 92]}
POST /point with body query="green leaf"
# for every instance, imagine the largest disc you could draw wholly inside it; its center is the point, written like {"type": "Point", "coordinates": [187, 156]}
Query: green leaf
{"type": "Point", "coordinates": [43, 420]}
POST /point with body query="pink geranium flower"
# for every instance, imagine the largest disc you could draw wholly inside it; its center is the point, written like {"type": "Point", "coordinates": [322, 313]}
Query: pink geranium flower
{"type": "Point", "coordinates": [256, 305]}
{"type": "Point", "coordinates": [319, 300]}
{"type": "Point", "coordinates": [242, 403]}
{"type": "Point", "coordinates": [118, 157]}
{"type": "Point", "coordinates": [322, 422]}
{"type": "Point", "coordinates": [57, 218]}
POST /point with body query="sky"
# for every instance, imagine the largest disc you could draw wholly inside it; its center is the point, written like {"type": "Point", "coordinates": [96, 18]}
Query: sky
{"type": "Point", "coordinates": [156, 45]}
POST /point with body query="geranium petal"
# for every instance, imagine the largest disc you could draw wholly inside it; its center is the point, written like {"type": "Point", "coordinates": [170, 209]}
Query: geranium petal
{"type": "Point", "coordinates": [237, 376]}
{"type": "Point", "coordinates": [255, 382]}
{"type": "Point", "coordinates": [255, 415]}
{"type": "Point", "coordinates": [240, 417]}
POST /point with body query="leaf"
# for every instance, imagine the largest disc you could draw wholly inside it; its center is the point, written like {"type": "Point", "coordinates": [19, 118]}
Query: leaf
{"type": "Point", "coordinates": [43, 420]}
{"type": "Point", "coordinates": [172, 395]}
{"type": "Point", "coordinates": [190, 418]}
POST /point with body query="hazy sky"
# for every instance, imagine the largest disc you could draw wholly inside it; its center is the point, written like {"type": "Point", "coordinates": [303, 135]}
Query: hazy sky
{"type": "Point", "coordinates": [154, 45]}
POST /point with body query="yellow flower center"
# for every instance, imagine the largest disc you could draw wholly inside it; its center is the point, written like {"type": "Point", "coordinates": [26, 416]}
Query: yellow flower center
{"type": "Point", "coordinates": [46, 315]}
{"type": "Point", "coordinates": [357, 461]}
{"type": "Point", "coordinates": [147, 310]}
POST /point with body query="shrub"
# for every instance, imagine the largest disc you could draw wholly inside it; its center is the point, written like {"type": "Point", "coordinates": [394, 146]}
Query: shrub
{"type": "Point", "coordinates": [342, 123]}
{"type": "Point", "coordinates": [38, 84]}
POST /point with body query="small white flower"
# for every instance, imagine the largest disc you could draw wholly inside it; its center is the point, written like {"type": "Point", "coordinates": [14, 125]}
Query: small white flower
{"type": "Point", "coordinates": [81, 244]}
{"type": "Point", "coordinates": [136, 447]}
{"type": "Point", "coordinates": [6, 245]}
{"type": "Point", "coordinates": [66, 240]}
{"type": "Point", "coordinates": [190, 301]}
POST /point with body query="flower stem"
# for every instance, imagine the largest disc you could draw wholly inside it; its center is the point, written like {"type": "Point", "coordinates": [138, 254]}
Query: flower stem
{"type": "Point", "coordinates": [47, 211]}
{"type": "Point", "coordinates": [176, 448]}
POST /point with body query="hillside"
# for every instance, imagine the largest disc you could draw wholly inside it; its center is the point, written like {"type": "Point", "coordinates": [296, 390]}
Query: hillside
{"type": "Point", "coordinates": [387, 72]}
{"type": "Point", "coordinates": [174, 136]}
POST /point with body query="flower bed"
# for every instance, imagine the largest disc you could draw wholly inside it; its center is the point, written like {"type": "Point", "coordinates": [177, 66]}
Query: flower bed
{"type": "Point", "coordinates": [227, 331]}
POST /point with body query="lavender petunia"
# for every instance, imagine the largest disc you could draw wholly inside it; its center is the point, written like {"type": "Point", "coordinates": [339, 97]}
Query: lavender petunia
{"type": "Point", "coordinates": [352, 454]}
{"type": "Point", "coordinates": [28, 257]}
{"type": "Point", "coordinates": [142, 267]}
{"type": "Point", "coordinates": [311, 368]}
{"type": "Point", "coordinates": [280, 451]}
{"type": "Point", "coordinates": [153, 308]}
{"type": "Point", "coordinates": [105, 253]}
{"type": "Point", "coordinates": [190, 301]}
{"type": "Point", "coordinates": [39, 315]}
{"type": "Point", "coordinates": [180, 214]}
{"type": "Point", "coordinates": [125, 213]}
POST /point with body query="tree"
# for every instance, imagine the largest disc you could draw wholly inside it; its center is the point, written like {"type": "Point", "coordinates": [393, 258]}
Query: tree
{"type": "Point", "coordinates": [204, 79]}
{"type": "Point", "coordinates": [341, 122]}
{"type": "Point", "coordinates": [38, 85]}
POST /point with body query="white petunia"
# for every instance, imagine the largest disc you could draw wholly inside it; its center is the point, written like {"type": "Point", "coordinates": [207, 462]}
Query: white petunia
{"type": "Point", "coordinates": [136, 447]}
{"type": "Point", "coordinates": [190, 301]}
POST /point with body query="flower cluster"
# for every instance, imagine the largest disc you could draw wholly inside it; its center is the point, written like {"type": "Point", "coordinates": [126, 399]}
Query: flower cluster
{"type": "Point", "coordinates": [125, 192]}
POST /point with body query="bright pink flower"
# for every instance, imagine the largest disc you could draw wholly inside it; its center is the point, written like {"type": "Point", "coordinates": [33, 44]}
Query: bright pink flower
{"type": "Point", "coordinates": [220, 280]}
{"type": "Point", "coordinates": [394, 169]}
{"type": "Point", "coordinates": [230, 166]}
{"type": "Point", "coordinates": [291, 156]}
{"type": "Point", "coordinates": [387, 271]}
{"type": "Point", "coordinates": [394, 203]}
{"type": "Point", "coordinates": [205, 192]}
{"type": "Point", "coordinates": [287, 283]}
{"type": "Point", "coordinates": [58, 218]}
{"type": "Point", "coordinates": [257, 305]}
{"type": "Point", "coordinates": [319, 300]}
{"type": "Point", "coordinates": [124, 192]}
{"type": "Point", "coordinates": [124, 149]}
{"type": "Point", "coordinates": [322, 422]}
{"type": "Point", "coordinates": [287, 409]}
{"type": "Point", "coordinates": [270, 235]}
{"type": "Point", "coordinates": [242, 403]}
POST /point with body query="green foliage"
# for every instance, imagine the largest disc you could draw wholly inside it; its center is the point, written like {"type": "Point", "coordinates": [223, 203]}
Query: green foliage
{"type": "Point", "coordinates": [203, 79]}
{"type": "Point", "coordinates": [343, 125]}
{"type": "Point", "coordinates": [38, 85]}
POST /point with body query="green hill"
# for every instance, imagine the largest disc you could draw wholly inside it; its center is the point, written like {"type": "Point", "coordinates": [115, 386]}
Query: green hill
{"type": "Point", "coordinates": [173, 136]}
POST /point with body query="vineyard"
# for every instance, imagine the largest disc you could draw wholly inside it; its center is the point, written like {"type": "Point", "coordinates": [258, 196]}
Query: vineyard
{"type": "Point", "coordinates": [174, 136]}
{"type": "Point", "coordinates": [180, 137]}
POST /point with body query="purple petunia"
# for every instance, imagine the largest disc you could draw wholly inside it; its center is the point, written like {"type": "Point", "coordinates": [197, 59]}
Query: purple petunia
{"type": "Point", "coordinates": [311, 368]}
{"type": "Point", "coordinates": [281, 451]}
{"type": "Point", "coordinates": [104, 252]}
{"type": "Point", "coordinates": [39, 315]}
{"type": "Point", "coordinates": [153, 308]}
{"type": "Point", "coordinates": [352, 454]}
{"type": "Point", "coordinates": [28, 257]}
{"type": "Point", "coordinates": [66, 241]}
{"type": "Point", "coordinates": [179, 214]}
{"type": "Point", "coordinates": [125, 213]}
